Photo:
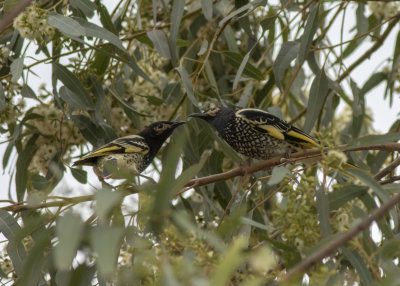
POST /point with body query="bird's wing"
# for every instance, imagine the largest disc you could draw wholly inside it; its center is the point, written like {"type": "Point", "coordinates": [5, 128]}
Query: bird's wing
{"type": "Point", "coordinates": [267, 123]}
{"type": "Point", "coordinates": [123, 145]}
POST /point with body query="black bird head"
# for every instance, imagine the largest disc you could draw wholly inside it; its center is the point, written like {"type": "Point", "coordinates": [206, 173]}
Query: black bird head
{"type": "Point", "coordinates": [216, 116]}
{"type": "Point", "coordinates": [160, 130]}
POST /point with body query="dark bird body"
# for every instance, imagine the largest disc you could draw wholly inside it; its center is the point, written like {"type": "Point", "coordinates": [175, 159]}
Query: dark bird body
{"type": "Point", "coordinates": [131, 154]}
{"type": "Point", "coordinates": [256, 133]}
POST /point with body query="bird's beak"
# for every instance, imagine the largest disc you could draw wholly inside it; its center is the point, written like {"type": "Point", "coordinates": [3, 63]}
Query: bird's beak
{"type": "Point", "coordinates": [199, 115]}
{"type": "Point", "coordinates": [177, 123]}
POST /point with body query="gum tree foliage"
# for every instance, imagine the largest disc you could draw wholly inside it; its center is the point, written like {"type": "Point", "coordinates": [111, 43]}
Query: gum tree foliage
{"type": "Point", "coordinates": [116, 68]}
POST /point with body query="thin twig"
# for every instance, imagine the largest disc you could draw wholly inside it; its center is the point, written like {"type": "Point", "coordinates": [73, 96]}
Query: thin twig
{"type": "Point", "coordinates": [387, 170]}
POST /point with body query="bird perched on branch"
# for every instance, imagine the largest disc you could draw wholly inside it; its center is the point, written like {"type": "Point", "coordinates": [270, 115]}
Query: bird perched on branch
{"type": "Point", "coordinates": [130, 154]}
{"type": "Point", "coordinates": [256, 133]}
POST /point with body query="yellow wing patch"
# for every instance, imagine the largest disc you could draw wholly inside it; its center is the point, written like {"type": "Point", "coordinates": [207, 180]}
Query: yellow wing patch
{"type": "Point", "coordinates": [272, 131]}
{"type": "Point", "coordinates": [135, 149]}
{"type": "Point", "coordinates": [302, 137]}
{"type": "Point", "coordinates": [106, 150]}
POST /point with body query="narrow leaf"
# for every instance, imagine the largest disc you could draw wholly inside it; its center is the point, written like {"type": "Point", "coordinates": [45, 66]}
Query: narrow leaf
{"type": "Point", "coordinates": [85, 6]}
{"type": "Point", "coordinates": [23, 161]}
{"type": "Point", "coordinates": [187, 84]}
{"type": "Point", "coordinates": [360, 266]}
{"type": "Point", "coordinates": [278, 173]}
{"type": "Point", "coordinates": [69, 229]}
{"type": "Point", "coordinates": [318, 93]}
{"type": "Point", "coordinates": [249, 70]}
{"type": "Point", "coordinates": [105, 201]}
{"type": "Point", "coordinates": [370, 140]}
{"type": "Point", "coordinates": [309, 32]}
{"type": "Point", "coordinates": [160, 42]}
{"type": "Point", "coordinates": [9, 227]}
{"type": "Point", "coordinates": [66, 25]}
{"type": "Point", "coordinates": [286, 55]}
{"type": "Point", "coordinates": [74, 100]}
{"type": "Point", "coordinates": [240, 70]}
{"type": "Point", "coordinates": [106, 243]}
{"type": "Point", "coordinates": [73, 83]}
{"type": "Point", "coordinates": [79, 174]}
{"type": "Point", "coordinates": [16, 68]}
{"type": "Point", "coordinates": [27, 92]}
{"type": "Point", "coordinates": [176, 16]}
{"type": "Point", "coordinates": [207, 8]}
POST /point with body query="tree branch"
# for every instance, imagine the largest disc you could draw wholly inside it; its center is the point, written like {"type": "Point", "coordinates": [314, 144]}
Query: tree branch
{"type": "Point", "coordinates": [333, 245]}
{"type": "Point", "coordinates": [387, 170]}
{"type": "Point", "coordinates": [8, 18]}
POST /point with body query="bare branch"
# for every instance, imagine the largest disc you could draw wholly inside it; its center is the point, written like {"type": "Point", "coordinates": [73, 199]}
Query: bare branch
{"type": "Point", "coordinates": [387, 170]}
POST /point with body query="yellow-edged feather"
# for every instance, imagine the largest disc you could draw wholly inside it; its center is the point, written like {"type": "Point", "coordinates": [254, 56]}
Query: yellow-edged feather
{"type": "Point", "coordinates": [272, 131]}
{"type": "Point", "coordinates": [302, 137]}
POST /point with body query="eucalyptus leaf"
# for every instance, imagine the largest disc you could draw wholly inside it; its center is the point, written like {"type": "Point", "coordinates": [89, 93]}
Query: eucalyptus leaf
{"type": "Point", "coordinates": [187, 84]}
{"type": "Point", "coordinates": [207, 8]}
{"type": "Point", "coordinates": [16, 68]}
{"type": "Point", "coordinates": [318, 93]}
{"type": "Point", "coordinates": [66, 25]}
{"type": "Point", "coordinates": [69, 229]}
{"type": "Point", "coordinates": [160, 42]}
{"type": "Point", "coordinates": [286, 55]}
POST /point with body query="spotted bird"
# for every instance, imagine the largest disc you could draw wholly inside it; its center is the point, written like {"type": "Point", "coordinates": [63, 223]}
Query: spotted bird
{"type": "Point", "coordinates": [130, 154]}
{"type": "Point", "coordinates": [256, 133]}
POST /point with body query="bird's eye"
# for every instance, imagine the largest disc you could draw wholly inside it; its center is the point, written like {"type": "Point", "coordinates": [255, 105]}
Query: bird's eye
{"type": "Point", "coordinates": [160, 126]}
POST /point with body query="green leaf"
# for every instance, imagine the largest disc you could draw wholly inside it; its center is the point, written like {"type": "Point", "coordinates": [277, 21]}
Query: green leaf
{"type": "Point", "coordinates": [102, 58]}
{"type": "Point", "coordinates": [373, 81]}
{"type": "Point", "coordinates": [391, 249]}
{"type": "Point", "coordinates": [229, 262]}
{"type": "Point", "coordinates": [322, 203]}
{"type": "Point", "coordinates": [203, 47]}
{"type": "Point", "coordinates": [249, 70]}
{"type": "Point", "coordinates": [39, 182]}
{"type": "Point", "coordinates": [370, 140]}
{"type": "Point", "coordinates": [286, 55]}
{"type": "Point", "coordinates": [267, 23]}
{"type": "Point", "coordinates": [16, 251]}
{"type": "Point", "coordinates": [278, 173]}
{"type": "Point", "coordinates": [309, 32]}
{"type": "Point", "coordinates": [85, 6]}
{"type": "Point", "coordinates": [3, 101]}
{"type": "Point", "coordinates": [74, 100]}
{"type": "Point", "coordinates": [80, 175]}
{"type": "Point", "coordinates": [16, 68]}
{"type": "Point", "coordinates": [207, 8]}
{"type": "Point", "coordinates": [78, 93]}
{"type": "Point", "coordinates": [160, 42]}
{"type": "Point", "coordinates": [106, 242]}
{"type": "Point", "coordinates": [69, 229]}
{"type": "Point", "coordinates": [105, 201]}
{"type": "Point", "coordinates": [318, 93]}
{"type": "Point", "coordinates": [92, 30]}
{"type": "Point", "coordinates": [106, 19]}
{"type": "Point", "coordinates": [187, 84]}
{"type": "Point", "coordinates": [358, 110]}
{"type": "Point", "coordinates": [176, 17]}
{"type": "Point", "coordinates": [362, 21]}
{"type": "Point", "coordinates": [345, 194]}
{"type": "Point", "coordinates": [240, 70]}
{"type": "Point", "coordinates": [66, 25]}
{"type": "Point", "coordinates": [358, 263]}
{"type": "Point", "coordinates": [27, 92]}
{"type": "Point", "coordinates": [23, 161]}
{"type": "Point", "coordinates": [377, 188]}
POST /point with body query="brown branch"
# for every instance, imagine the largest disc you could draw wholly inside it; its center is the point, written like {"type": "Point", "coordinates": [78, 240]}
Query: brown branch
{"type": "Point", "coordinates": [8, 18]}
{"type": "Point", "coordinates": [268, 164]}
{"type": "Point", "coordinates": [333, 245]}
{"type": "Point", "coordinates": [387, 170]}
{"type": "Point", "coordinates": [390, 180]}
